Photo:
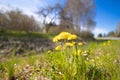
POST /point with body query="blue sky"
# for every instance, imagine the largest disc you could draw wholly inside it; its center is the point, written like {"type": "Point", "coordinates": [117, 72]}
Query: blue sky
{"type": "Point", "coordinates": [107, 15]}
{"type": "Point", "coordinates": [107, 11]}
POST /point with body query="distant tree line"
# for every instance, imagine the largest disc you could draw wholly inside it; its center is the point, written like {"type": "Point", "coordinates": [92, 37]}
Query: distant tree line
{"type": "Point", "coordinates": [115, 33]}
{"type": "Point", "coordinates": [16, 20]}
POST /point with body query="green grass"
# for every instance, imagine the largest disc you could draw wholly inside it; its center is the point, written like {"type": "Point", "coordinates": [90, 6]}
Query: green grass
{"type": "Point", "coordinates": [96, 61]}
{"type": "Point", "coordinates": [20, 34]}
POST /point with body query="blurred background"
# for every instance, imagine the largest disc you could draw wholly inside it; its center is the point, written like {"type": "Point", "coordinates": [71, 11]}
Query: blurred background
{"type": "Point", "coordinates": [98, 17]}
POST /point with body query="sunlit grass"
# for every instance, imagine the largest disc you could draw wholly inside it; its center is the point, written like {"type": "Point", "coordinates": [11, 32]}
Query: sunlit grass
{"type": "Point", "coordinates": [73, 61]}
{"type": "Point", "coordinates": [22, 34]}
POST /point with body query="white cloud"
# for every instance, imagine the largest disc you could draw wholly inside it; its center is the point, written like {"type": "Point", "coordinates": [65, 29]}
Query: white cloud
{"type": "Point", "coordinates": [32, 5]}
{"type": "Point", "coordinates": [28, 7]}
{"type": "Point", "coordinates": [4, 8]}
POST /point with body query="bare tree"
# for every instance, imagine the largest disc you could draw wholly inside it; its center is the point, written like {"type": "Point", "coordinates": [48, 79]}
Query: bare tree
{"type": "Point", "coordinates": [79, 13]}
{"type": "Point", "coordinates": [51, 13]}
{"type": "Point", "coordinates": [118, 30]}
{"type": "Point", "coordinates": [111, 34]}
{"type": "Point", "coordinates": [75, 14]}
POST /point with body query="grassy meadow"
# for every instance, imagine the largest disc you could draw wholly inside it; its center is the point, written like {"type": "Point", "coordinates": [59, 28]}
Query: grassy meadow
{"type": "Point", "coordinates": [70, 60]}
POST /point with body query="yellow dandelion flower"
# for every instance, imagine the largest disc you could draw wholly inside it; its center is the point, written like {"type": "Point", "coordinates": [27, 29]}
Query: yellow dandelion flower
{"type": "Point", "coordinates": [109, 41]}
{"type": "Point", "coordinates": [104, 44]}
{"type": "Point", "coordinates": [73, 43]}
{"type": "Point", "coordinates": [80, 43]}
{"type": "Point", "coordinates": [64, 36]}
{"type": "Point", "coordinates": [79, 51]}
{"type": "Point", "coordinates": [55, 39]}
{"type": "Point", "coordinates": [49, 51]}
{"type": "Point", "coordinates": [72, 37]}
{"type": "Point", "coordinates": [58, 48]}
{"type": "Point", "coordinates": [69, 44]}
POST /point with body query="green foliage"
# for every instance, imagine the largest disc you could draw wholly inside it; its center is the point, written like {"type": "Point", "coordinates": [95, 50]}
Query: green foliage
{"type": "Point", "coordinates": [100, 35]}
{"type": "Point", "coordinates": [87, 35]}
{"type": "Point", "coordinates": [20, 34]}
{"type": "Point", "coordinates": [11, 68]}
{"type": "Point", "coordinates": [90, 61]}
